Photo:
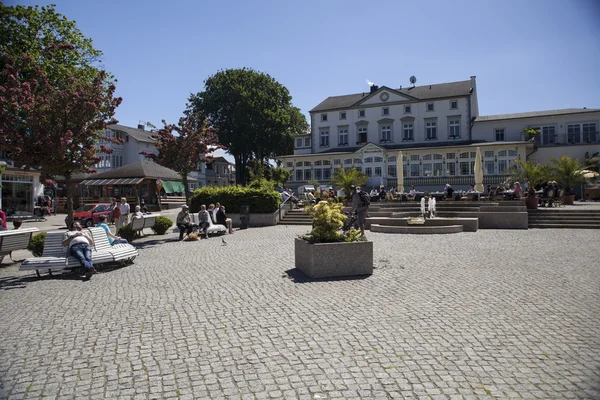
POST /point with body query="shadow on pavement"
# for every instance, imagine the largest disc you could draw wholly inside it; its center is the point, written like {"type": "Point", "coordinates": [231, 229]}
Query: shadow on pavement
{"type": "Point", "coordinates": [299, 277]}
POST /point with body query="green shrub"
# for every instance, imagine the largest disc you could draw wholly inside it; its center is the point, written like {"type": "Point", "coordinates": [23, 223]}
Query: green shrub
{"type": "Point", "coordinates": [36, 246]}
{"type": "Point", "coordinates": [126, 232]}
{"type": "Point", "coordinates": [263, 200]}
{"type": "Point", "coordinates": [162, 225]}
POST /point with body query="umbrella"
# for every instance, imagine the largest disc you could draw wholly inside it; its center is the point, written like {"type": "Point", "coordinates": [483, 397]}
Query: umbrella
{"type": "Point", "coordinates": [400, 174]}
{"type": "Point", "coordinates": [586, 173]}
{"type": "Point", "coordinates": [478, 172]}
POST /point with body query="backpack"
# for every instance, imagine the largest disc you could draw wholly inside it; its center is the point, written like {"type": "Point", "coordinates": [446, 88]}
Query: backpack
{"type": "Point", "coordinates": [365, 199]}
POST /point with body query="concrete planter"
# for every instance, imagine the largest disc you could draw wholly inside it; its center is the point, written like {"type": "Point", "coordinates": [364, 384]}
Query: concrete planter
{"type": "Point", "coordinates": [328, 260]}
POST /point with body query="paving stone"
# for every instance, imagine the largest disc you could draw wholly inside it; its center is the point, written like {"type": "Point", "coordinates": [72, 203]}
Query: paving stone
{"type": "Point", "coordinates": [491, 314]}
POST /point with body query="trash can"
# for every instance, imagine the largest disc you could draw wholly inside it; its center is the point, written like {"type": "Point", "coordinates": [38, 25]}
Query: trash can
{"type": "Point", "coordinates": [244, 217]}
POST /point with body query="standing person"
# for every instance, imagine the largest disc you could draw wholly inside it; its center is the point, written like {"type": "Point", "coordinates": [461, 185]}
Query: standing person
{"type": "Point", "coordinates": [183, 221]}
{"type": "Point", "coordinates": [116, 213]}
{"type": "Point", "coordinates": [124, 210]}
{"type": "Point", "coordinates": [360, 205]}
{"type": "Point", "coordinates": [2, 219]}
{"type": "Point", "coordinates": [112, 239]}
{"type": "Point", "coordinates": [80, 246]}
{"type": "Point", "coordinates": [223, 220]}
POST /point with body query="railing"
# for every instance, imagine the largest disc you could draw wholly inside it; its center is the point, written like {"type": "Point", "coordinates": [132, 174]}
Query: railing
{"type": "Point", "coordinates": [452, 180]}
{"type": "Point", "coordinates": [281, 205]}
{"type": "Point", "coordinates": [566, 139]}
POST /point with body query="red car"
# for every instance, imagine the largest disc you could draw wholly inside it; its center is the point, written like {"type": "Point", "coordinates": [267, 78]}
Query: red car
{"type": "Point", "coordinates": [89, 213]}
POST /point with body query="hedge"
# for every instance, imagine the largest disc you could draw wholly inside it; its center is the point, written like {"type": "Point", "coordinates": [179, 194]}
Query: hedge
{"type": "Point", "coordinates": [233, 197]}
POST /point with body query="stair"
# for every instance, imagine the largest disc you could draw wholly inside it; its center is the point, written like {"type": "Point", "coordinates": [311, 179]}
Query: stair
{"type": "Point", "coordinates": [417, 229]}
{"type": "Point", "coordinates": [564, 219]}
{"type": "Point", "coordinates": [296, 217]}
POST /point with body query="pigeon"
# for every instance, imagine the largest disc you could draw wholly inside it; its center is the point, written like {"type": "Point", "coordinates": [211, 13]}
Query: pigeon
{"type": "Point", "coordinates": [224, 242]}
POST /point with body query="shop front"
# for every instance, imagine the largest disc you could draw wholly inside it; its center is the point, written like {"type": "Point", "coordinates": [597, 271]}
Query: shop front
{"type": "Point", "coordinates": [19, 191]}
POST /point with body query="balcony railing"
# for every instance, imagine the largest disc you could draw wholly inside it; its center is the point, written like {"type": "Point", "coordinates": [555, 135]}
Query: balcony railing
{"type": "Point", "coordinates": [566, 139]}
{"type": "Point", "coordinates": [452, 180]}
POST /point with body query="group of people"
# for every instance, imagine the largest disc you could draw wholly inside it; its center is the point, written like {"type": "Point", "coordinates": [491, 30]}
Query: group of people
{"type": "Point", "coordinates": [215, 214]}
{"type": "Point", "coordinates": [120, 212]}
{"type": "Point", "coordinates": [377, 195]}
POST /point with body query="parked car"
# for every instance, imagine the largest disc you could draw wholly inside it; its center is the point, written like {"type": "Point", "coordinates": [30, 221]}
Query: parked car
{"type": "Point", "coordinates": [89, 213]}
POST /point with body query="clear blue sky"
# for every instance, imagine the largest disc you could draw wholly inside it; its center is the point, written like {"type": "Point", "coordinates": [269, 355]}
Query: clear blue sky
{"type": "Point", "coordinates": [527, 54]}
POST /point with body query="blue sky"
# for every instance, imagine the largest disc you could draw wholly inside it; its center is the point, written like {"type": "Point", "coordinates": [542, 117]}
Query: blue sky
{"type": "Point", "coordinates": [527, 55]}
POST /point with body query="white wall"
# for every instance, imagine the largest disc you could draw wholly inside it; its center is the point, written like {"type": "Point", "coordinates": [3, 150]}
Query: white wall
{"type": "Point", "coordinates": [543, 155]}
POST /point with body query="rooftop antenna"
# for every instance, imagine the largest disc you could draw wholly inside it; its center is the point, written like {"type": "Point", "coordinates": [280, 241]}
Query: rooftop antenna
{"type": "Point", "coordinates": [413, 80]}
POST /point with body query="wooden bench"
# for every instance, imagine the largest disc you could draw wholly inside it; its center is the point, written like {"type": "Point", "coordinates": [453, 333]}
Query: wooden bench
{"type": "Point", "coordinates": [16, 239]}
{"type": "Point", "coordinates": [147, 221]}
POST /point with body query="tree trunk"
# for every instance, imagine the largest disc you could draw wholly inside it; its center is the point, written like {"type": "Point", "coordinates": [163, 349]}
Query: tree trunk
{"type": "Point", "coordinates": [239, 170]}
{"type": "Point", "coordinates": [184, 178]}
{"type": "Point", "coordinates": [69, 203]}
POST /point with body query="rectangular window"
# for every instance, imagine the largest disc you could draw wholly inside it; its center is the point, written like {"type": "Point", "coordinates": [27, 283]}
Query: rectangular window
{"type": "Point", "coordinates": [324, 139]}
{"type": "Point", "coordinates": [407, 109]}
{"type": "Point", "coordinates": [414, 157]}
{"type": "Point", "coordinates": [502, 166]}
{"type": "Point", "coordinates": [499, 133]}
{"type": "Point", "coordinates": [307, 142]}
{"type": "Point", "coordinates": [337, 161]}
{"type": "Point", "coordinates": [549, 135]}
{"type": "Point", "coordinates": [573, 133]}
{"type": "Point", "coordinates": [323, 117]}
{"type": "Point", "coordinates": [361, 113]}
{"type": "Point", "coordinates": [326, 173]}
{"type": "Point", "coordinates": [589, 133]}
{"type": "Point", "coordinates": [343, 136]}
{"type": "Point", "coordinates": [307, 174]}
{"type": "Point", "coordinates": [454, 104]}
{"type": "Point", "coordinates": [464, 167]}
{"type": "Point", "coordinates": [451, 169]}
{"type": "Point", "coordinates": [377, 171]}
{"type": "Point", "coordinates": [430, 130]}
{"type": "Point", "coordinates": [298, 174]}
{"type": "Point", "coordinates": [488, 154]}
{"type": "Point", "coordinates": [414, 170]}
{"type": "Point", "coordinates": [348, 161]}
{"type": "Point", "coordinates": [454, 128]}
{"type": "Point", "coordinates": [450, 156]}
{"type": "Point", "coordinates": [369, 171]}
{"type": "Point", "coordinates": [342, 114]}
{"type": "Point", "coordinates": [289, 164]}
{"type": "Point", "coordinates": [489, 167]}
{"type": "Point", "coordinates": [385, 111]}
{"type": "Point", "coordinates": [391, 170]}
{"type": "Point", "coordinates": [427, 169]}
{"type": "Point", "coordinates": [318, 174]}
{"type": "Point", "coordinates": [299, 142]}
{"type": "Point", "coordinates": [362, 135]}
{"type": "Point", "coordinates": [386, 133]}
{"type": "Point", "coordinates": [407, 132]}
{"type": "Point", "coordinates": [437, 169]}
{"type": "Point", "coordinates": [429, 106]}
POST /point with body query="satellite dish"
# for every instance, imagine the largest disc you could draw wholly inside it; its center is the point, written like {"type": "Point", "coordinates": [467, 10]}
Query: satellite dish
{"type": "Point", "coordinates": [413, 80]}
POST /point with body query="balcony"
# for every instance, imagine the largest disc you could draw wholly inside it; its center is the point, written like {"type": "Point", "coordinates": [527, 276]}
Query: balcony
{"type": "Point", "coordinates": [567, 139]}
{"type": "Point", "coordinates": [463, 180]}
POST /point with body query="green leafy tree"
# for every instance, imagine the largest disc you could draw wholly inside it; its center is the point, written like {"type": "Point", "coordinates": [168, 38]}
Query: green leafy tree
{"type": "Point", "coordinates": [592, 161]}
{"type": "Point", "coordinates": [567, 172]}
{"type": "Point", "coordinates": [531, 173]}
{"type": "Point", "coordinates": [280, 175]}
{"type": "Point", "coordinates": [345, 178]}
{"type": "Point", "coordinates": [252, 115]}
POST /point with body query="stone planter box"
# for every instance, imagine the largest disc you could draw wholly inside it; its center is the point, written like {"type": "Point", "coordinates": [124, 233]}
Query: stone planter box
{"type": "Point", "coordinates": [328, 260]}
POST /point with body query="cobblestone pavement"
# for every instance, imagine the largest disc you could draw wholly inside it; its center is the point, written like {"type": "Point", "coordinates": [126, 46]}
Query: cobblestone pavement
{"type": "Point", "coordinates": [492, 314]}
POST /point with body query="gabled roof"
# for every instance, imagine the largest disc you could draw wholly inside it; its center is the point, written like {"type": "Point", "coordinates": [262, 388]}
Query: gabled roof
{"type": "Point", "coordinates": [138, 134]}
{"type": "Point", "coordinates": [427, 92]}
{"type": "Point", "coordinates": [219, 159]}
{"type": "Point", "coordinates": [142, 169]}
{"type": "Point", "coordinates": [537, 114]}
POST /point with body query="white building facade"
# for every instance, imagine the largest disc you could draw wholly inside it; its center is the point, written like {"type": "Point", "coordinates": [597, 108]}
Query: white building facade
{"type": "Point", "coordinates": [438, 129]}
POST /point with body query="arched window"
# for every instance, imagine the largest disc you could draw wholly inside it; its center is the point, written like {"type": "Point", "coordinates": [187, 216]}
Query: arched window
{"type": "Point", "coordinates": [368, 160]}
{"type": "Point", "coordinates": [378, 159]}
{"type": "Point", "coordinates": [392, 159]}
{"type": "Point", "coordinates": [427, 157]}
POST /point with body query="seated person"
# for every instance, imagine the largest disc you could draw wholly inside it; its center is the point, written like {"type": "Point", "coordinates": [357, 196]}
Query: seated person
{"type": "Point", "coordinates": [223, 220]}
{"type": "Point", "coordinates": [311, 197]}
{"type": "Point", "coordinates": [471, 188]}
{"type": "Point", "coordinates": [489, 191]}
{"type": "Point", "coordinates": [203, 220]}
{"type": "Point", "coordinates": [138, 212]}
{"type": "Point", "coordinates": [145, 210]}
{"type": "Point", "coordinates": [449, 191]}
{"type": "Point", "coordinates": [374, 192]}
{"type": "Point", "coordinates": [17, 223]}
{"type": "Point", "coordinates": [517, 191]}
{"type": "Point", "coordinates": [382, 193]}
{"type": "Point", "coordinates": [112, 239]}
{"type": "Point", "coordinates": [413, 191]}
{"type": "Point", "coordinates": [80, 246]}
{"type": "Point", "coordinates": [212, 212]}
{"type": "Point", "coordinates": [183, 221]}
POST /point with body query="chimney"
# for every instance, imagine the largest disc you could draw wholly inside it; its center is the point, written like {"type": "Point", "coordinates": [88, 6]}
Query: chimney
{"type": "Point", "coordinates": [374, 88]}
{"type": "Point", "coordinates": [141, 127]}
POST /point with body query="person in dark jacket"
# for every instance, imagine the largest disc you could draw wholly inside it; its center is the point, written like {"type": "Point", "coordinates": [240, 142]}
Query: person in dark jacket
{"type": "Point", "coordinates": [223, 220]}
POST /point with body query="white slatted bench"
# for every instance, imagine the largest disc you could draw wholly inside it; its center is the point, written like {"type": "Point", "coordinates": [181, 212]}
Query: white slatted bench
{"type": "Point", "coordinates": [16, 239]}
{"type": "Point", "coordinates": [119, 252]}
{"type": "Point", "coordinates": [213, 229]}
{"type": "Point", "coordinates": [147, 221]}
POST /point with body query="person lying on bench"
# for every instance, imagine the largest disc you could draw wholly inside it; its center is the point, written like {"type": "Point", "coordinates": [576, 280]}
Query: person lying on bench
{"type": "Point", "coordinates": [80, 247]}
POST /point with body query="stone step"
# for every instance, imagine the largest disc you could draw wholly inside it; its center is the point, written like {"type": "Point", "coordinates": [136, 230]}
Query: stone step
{"type": "Point", "coordinates": [565, 217]}
{"type": "Point", "coordinates": [284, 222]}
{"type": "Point", "coordinates": [417, 229]}
{"type": "Point", "coordinates": [563, 226]}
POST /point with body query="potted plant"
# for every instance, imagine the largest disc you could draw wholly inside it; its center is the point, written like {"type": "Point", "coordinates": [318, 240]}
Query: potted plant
{"type": "Point", "coordinates": [533, 174]}
{"type": "Point", "coordinates": [530, 133]}
{"type": "Point", "coordinates": [567, 172]}
{"type": "Point", "coordinates": [328, 252]}
{"type": "Point", "coordinates": [346, 178]}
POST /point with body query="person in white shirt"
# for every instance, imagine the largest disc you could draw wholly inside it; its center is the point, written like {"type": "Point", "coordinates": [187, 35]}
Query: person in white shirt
{"type": "Point", "coordinates": [124, 217]}
{"type": "Point", "coordinates": [413, 191]}
{"type": "Point", "coordinates": [80, 246]}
